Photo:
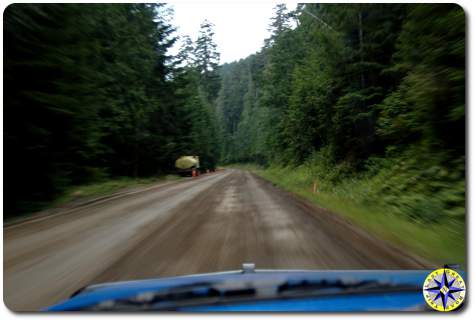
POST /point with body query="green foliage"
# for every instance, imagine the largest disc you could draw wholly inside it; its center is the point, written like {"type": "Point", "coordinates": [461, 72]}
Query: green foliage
{"type": "Point", "coordinates": [440, 241]}
{"type": "Point", "coordinates": [368, 98]}
{"type": "Point", "coordinates": [91, 93]}
{"type": "Point", "coordinates": [207, 61]}
{"type": "Point", "coordinates": [368, 102]}
{"type": "Point", "coordinates": [106, 187]}
{"type": "Point", "coordinates": [241, 120]}
{"type": "Point", "coordinates": [429, 104]}
{"type": "Point", "coordinates": [416, 189]}
{"type": "Point", "coordinates": [197, 83]}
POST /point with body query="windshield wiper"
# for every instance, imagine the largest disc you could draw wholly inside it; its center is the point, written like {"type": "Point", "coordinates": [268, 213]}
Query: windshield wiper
{"type": "Point", "coordinates": [197, 293]}
{"type": "Point", "coordinates": [340, 287]}
{"type": "Point", "coordinates": [220, 293]}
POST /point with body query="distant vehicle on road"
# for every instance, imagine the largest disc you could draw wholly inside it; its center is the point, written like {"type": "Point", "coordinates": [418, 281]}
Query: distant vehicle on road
{"type": "Point", "coordinates": [188, 165]}
{"type": "Point", "coordinates": [259, 290]}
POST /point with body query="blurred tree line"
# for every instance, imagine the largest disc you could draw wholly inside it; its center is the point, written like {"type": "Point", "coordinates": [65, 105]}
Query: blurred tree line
{"type": "Point", "coordinates": [90, 92]}
{"type": "Point", "coordinates": [357, 85]}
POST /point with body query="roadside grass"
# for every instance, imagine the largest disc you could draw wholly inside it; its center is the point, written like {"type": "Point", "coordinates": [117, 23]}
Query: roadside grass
{"type": "Point", "coordinates": [107, 187]}
{"type": "Point", "coordinates": [439, 243]}
{"type": "Point", "coordinates": [80, 193]}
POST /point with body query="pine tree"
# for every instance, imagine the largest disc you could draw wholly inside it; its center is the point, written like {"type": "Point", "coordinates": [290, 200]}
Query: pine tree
{"type": "Point", "coordinates": [207, 61]}
{"type": "Point", "coordinates": [280, 23]}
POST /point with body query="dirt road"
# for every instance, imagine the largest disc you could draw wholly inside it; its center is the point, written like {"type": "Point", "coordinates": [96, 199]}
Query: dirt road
{"type": "Point", "coordinates": [212, 223]}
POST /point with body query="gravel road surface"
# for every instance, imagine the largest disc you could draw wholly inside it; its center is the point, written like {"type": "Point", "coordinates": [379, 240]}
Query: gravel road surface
{"type": "Point", "coordinates": [211, 223]}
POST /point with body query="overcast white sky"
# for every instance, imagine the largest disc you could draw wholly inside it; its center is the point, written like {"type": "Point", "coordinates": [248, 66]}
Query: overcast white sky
{"type": "Point", "coordinates": [240, 27]}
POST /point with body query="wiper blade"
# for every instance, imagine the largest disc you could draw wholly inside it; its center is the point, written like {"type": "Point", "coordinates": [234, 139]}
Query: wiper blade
{"type": "Point", "coordinates": [178, 296]}
{"type": "Point", "coordinates": [328, 287]}
{"type": "Point", "coordinates": [220, 293]}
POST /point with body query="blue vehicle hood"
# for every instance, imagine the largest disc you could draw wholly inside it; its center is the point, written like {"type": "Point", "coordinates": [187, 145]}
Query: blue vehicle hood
{"type": "Point", "coordinates": [388, 301]}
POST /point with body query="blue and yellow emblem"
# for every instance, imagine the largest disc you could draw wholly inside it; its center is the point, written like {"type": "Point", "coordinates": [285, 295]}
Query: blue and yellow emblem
{"type": "Point", "coordinates": [444, 290]}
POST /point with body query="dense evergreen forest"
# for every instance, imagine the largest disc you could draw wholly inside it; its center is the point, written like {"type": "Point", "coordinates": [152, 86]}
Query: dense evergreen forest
{"type": "Point", "coordinates": [91, 93]}
{"type": "Point", "coordinates": [371, 93]}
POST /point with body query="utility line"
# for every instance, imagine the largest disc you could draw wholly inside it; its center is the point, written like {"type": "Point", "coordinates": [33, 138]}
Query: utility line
{"type": "Point", "coordinates": [319, 19]}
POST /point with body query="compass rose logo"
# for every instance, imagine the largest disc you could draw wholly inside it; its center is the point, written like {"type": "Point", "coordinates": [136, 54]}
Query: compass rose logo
{"type": "Point", "coordinates": [444, 290]}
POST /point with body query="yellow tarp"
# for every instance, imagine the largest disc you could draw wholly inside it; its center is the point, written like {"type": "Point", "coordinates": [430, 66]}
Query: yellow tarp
{"type": "Point", "coordinates": [185, 162]}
